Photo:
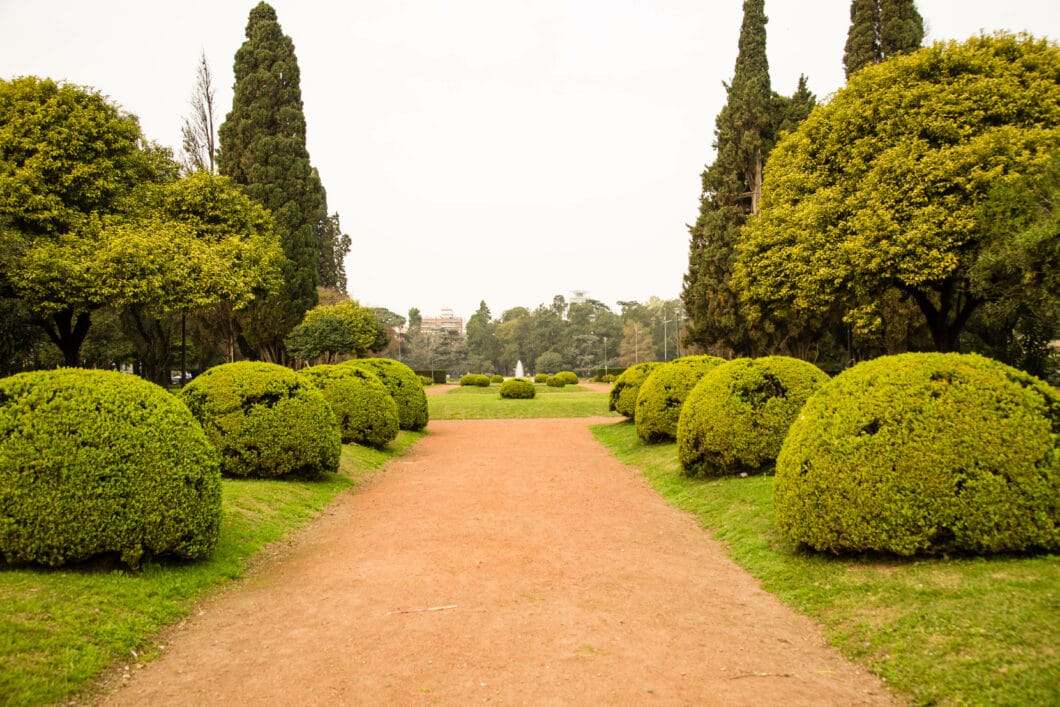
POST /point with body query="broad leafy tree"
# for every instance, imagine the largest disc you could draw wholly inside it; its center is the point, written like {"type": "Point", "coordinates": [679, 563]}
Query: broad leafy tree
{"type": "Point", "coordinates": [69, 163]}
{"type": "Point", "coordinates": [330, 330]}
{"type": "Point", "coordinates": [263, 148]}
{"type": "Point", "coordinates": [482, 346]}
{"type": "Point", "coordinates": [880, 29]}
{"type": "Point", "coordinates": [883, 189]}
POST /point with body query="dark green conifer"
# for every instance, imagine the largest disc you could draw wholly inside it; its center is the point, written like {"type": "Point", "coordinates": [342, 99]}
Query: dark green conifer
{"type": "Point", "coordinates": [262, 147]}
{"type": "Point", "coordinates": [879, 29]}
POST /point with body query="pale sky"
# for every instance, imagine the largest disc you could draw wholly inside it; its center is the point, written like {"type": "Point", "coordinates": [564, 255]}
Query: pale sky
{"type": "Point", "coordinates": [505, 150]}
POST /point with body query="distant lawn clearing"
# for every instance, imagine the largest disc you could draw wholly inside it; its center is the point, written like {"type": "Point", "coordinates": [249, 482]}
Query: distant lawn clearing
{"type": "Point", "coordinates": [60, 629]}
{"type": "Point", "coordinates": [474, 403]}
{"type": "Point", "coordinates": [946, 631]}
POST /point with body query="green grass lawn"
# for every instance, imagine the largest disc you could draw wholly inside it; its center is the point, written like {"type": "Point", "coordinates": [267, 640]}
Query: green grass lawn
{"type": "Point", "coordinates": [474, 403]}
{"type": "Point", "coordinates": [60, 629]}
{"type": "Point", "coordinates": [945, 631]}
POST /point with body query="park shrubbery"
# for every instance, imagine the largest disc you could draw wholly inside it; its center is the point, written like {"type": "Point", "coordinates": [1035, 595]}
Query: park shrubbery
{"type": "Point", "coordinates": [568, 377]}
{"type": "Point", "coordinates": [518, 388]}
{"type": "Point", "coordinates": [265, 420]}
{"type": "Point", "coordinates": [555, 382]}
{"type": "Point", "coordinates": [362, 405]}
{"type": "Point", "coordinates": [541, 378]}
{"type": "Point", "coordinates": [737, 416]}
{"type": "Point", "coordinates": [477, 379]}
{"type": "Point", "coordinates": [404, 387]}
{"type": "Point", "coordinates": [623, 398]}
{"type": "Point", "coordinates": [95, 462]}
{"type": "Point", "coordinates": [924, 453]}
{"type": "Point", "coordinates": [663, 393]}
{"type": "Point", "coordinates": [496, 378]}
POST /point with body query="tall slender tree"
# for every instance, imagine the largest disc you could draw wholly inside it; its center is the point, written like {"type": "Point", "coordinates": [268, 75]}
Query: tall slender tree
{"type": "Point", "coordinates": [880, 29]}
{"type": "Point", "coordinates": [263, 147]}
{"type": "Point", "coordinates": [199, 132]}
{"type": "Point", "coordinates": [744, 134]}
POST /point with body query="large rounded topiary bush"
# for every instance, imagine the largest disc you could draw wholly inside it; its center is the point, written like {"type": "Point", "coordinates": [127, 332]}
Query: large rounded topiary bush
{"type": "Point", "coordinates": [362, 405]}
{"type": "Point", "coordinates": [404, 387]}
{"type": "Point", "coordinates": [518, 388]}
{"type": "Point", "coordinates": [737, 416]}
{"type": "Point", "coordinates": [924, 453]}
{"type": "Point", "coordinates": [265, 419]}
{"type": "Point", "coordinates": [663, 393]}
{"type": "Point", "coordinates": [623, 397]}
{"type": "Point", "coordinates": [568, 377]}
{"type": "Point", "coordinates": [95, 462]}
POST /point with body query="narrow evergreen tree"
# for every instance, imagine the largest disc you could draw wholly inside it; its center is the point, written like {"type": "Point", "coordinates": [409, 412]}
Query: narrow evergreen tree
{"type": "Point", "coordinates": [745, 132]}
{"type": "Point", "coordinates": [880, 29]}
{"type": "Point", "coordinates": [262, 146]}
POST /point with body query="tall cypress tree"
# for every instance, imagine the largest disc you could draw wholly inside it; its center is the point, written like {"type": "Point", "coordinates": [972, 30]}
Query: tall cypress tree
{"type": "Point", "coordinates": [262, 147]}
{"type": "Point", "coordinates": [880, 29]}
{"type": "Point", "coordinates": [744, 134]}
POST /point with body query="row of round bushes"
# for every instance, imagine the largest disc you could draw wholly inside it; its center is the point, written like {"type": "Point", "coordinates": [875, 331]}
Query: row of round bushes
{"type": "Point", "coordinates": [480, 379]}
{"type": "Point", "coordinates": [96, 462]}
{"type": "Point", "coordinates": [919, 453]}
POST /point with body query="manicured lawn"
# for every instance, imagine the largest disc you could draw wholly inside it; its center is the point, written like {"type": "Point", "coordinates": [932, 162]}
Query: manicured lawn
{"type": "Point", "coordinates": [474, 403]}
{"type": "Point", "coordinates": [945, 631]}
{"type": "Point", "coordinates": [59, 629]}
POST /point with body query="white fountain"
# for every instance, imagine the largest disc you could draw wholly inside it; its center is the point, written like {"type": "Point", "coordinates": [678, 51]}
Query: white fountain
{"type": "Point", "coordinates": [519, 369]}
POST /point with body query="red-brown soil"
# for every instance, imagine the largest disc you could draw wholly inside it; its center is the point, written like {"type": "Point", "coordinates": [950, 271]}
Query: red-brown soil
{"type": "Point", "coordinates": [504, 561]}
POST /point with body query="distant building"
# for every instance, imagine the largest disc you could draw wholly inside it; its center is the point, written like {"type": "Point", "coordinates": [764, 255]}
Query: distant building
{"type": "Point", "coordinates": [446, 322]}
{"type": "Point", "coordinates": [579, 296]}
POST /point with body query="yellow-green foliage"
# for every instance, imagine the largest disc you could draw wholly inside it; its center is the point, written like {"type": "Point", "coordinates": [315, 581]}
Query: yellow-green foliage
{"type": "Point", "coordinates": [404, 387]}
{"type": "Point", "coordinates": [736, 418]}
{"type": "Point", "coordinates": [496, 378]}
{"type": "Point", "coordinates": [95, 462]}
{"type": "Point", "coordinates": [541, 378]}
{"type": "Point", "coordinates": [363, 407]}
{"type": "Point", "coordinates": [924, 453]}
{"type": "Point", "coordinates": [555, 382]}
{"type": "Point", "coordinates": [568, 377]}
{"type": "Point", "coordinates": [477, 379]}
{"type": "Point", "coordinates": [265, 420]}
{"type": "Point", "coordinates": [663, 393]}
{"type": "Point", "coordinates": [623, 398]}
{"type": "Point", "coordinates": [518, 388]}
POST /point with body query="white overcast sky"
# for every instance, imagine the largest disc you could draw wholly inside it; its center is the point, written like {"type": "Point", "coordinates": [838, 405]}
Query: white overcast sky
{"type": "Point", "coordinates": [505, 150]}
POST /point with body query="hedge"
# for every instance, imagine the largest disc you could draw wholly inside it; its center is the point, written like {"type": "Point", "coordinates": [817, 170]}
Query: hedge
{"type": "Point", "coordinates": [518, 388]}
{"type": "Point", "coordinates": [404, 387]}
{"type": "Point", "coordinates": [663, 393]}
{"type": "Point", "coordinates": [623, 397]}
{"type": "Point", "coordinates": [362, 405]}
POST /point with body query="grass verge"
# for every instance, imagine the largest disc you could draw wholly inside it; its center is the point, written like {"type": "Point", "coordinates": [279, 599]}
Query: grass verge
{"type": "Point", "coordinates": [944, 631]}
{"type": "Point", "coordinates": [474, 403]}
{"type": "Point", "coordinates": [60, 629]}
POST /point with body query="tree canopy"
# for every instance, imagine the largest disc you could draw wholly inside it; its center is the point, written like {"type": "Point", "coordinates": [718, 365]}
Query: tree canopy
{"type": "Point", "coordinates": [880, 29]}
{"type": "Point", "coordinates": [881, 189]}
{"type": "Point", "coordinates": [330, 330]}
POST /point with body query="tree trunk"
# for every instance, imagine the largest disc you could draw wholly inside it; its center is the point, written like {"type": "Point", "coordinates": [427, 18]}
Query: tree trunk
{"type": "Point", "coordinates": [68, 334]}
{"type": "Point", "coordinates": [948, 319]}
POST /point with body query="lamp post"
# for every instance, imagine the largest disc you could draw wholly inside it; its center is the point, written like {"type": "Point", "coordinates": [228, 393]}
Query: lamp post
{"type": "Point", "coordinates": [605, 355]}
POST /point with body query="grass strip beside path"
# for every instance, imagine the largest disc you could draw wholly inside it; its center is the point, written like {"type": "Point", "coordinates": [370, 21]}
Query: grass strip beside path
{"type": "Point", "coordinates": [60, 629]}
{"type": "Point", "coordinates": [474, 403]}
{"type": "Point", "coordinates": [945, 631]}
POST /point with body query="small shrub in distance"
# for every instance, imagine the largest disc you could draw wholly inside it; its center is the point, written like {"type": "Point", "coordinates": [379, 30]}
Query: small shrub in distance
{"type": "Point", "coordinates": [96, 462]}
{"type": "Point", "coordinates": [663, 392]}
{"type": "Point", "coordinates": [495, 378]}
{"type": "Point", "coordinates": [623, 398]}
{"type": "Point", "coordinates": [404, 388]}
{"type": "Point", "coordinates": [541, 378]}
{"type": "Point", "coordinates": [569, 377]}
{"type": "Point", "coordinates": [475, 379]}
{"type": "Point", "coordinates": [518, 388]}
{"type": "Point", "coordinates": [555, 382]}
{"type": "Point", "coordinates": [426, 381]}
{"type": "Point", "coordinates": [362, 405]}
{"type": "Point", "coordinates": [924, 453]}
{"type": "Point", "coordinates": [736, 418]}
{"type": "Point", "coordinates": [607, 378]}
{"type": "Point", "coordinates": [265, 420]}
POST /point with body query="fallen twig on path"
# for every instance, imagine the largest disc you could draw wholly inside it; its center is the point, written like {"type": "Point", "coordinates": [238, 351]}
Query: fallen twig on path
{"type": "Point", "coordinates": [416, 611]}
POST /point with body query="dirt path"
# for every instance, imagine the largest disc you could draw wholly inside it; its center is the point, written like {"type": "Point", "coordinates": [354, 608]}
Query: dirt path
{"type": "Point", "coordinates": [564, 580]}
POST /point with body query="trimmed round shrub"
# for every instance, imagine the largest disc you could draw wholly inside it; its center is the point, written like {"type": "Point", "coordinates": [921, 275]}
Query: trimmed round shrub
{"type": "Point", "coordinates": [404, 388]}
{"type": "Point", "coordinates": [265, 420]}
{"type": "Point", "coordinates": [495, 378]}
{"type": "Point", "coordinates": [623, 398]}
{"type": "Point", "coordinates": [96, 462]}
{"type": "Point", "coordinates": [924, 453]}
{"type": "Point", "coordinates": [362, 405]}
{"type": "Point", "coordinates": [736, 418]}
{"type": "Point", "coordinates": [663, 393]}
{"type": "Point", "coordinates": [426, 382]}
{"type": "Point", "coordinates": [541, 378]}
{"type": "Point", "coordinates": [477, 379]}
{"type": "Point", "coordinates": [607, 378]}
{"type": "Point", "coordinates": [555, 382]}
{"type": "Point", "coordinates": [569, 377]}
{"type": "Point", "coordinates": [518, 388]}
